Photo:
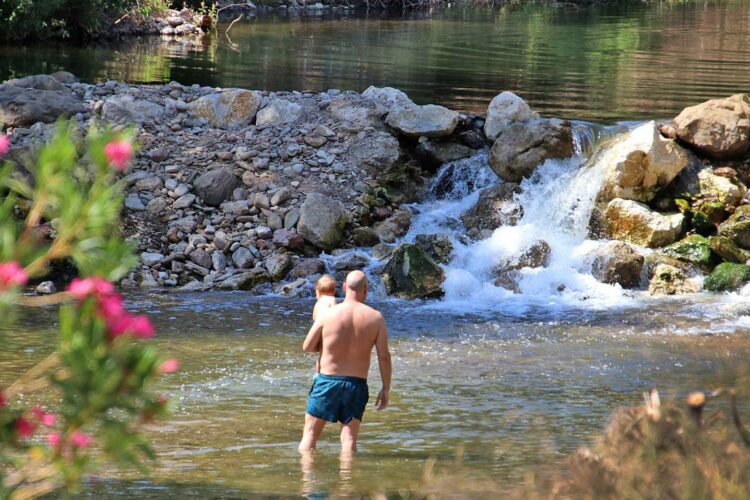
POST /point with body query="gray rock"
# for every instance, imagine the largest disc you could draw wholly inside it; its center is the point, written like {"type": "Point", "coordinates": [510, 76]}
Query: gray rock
{"type": "Point", "coordinates": [433, 154]}
{"type": "Point", "coordinates": [496, 207]}
{"type": "Point", "coordinates": [39, 82]}
{"type": "Point", "coordinates": [617, 262]}
{"type": "Point", "coordinates": [228, 109]}
{"type": "Point", "coordinates": [243, 258]}
{"type": "Point", "coordinates": [22, 108]}
{"type": "Point", "coordinates": [504, 109]}
{"type": "Point", "coordinates": [151, 258]}
{"type": "Point", "coordinates": [365, 237]}
{"type": "Point", "coordinates": [307, 267]}
{"type": "Point", "coordinates": [387, 99]}
{"type": "Point", "coordinates": [46, 288]}
{"type": "Point", "coordinates": [428, 121]}
{"type": "Point", "coordinates": [278, 112]}
{"type": "Point", "coordinates": [264, 232]}
{"type": "Point", "coordinates": [411, 273]}
{"type": "Point", "coordinates": [245, 281]}
{"type": "Point", "coordinates": [280, 197]}
{"type": "Point", "coordinates": [158, 154]}
{"type": "Point", "coordinates": [156, 206]}
{"type": "Point", "coordinates": [125, 110]}
{"type": "Point", "coordinates": [221, 240]}
{"type": "Point", "coordinates": [185, 201]}
{"type": "Point", "coordinates": [216, 186]}
{"type": "Point", "coordinates": [64, 77]}
{"type": "Point", "coordinates": [201, 258]}
{"type": "Point", "coordinates": [393, 227]}
{"type": "Point", "coordinates": [382, 251]}
{"type": "Point", "coordinates": [291, 218]}
{"type": "Point", "coordinates": [719, 128]}
{"type": "Point", "coordinates": [275, 221]}
{"type": "Point", "coordinates": [149, 184]}
{"type": "Point", "coordinates": [133, 202]}
{"type": "Point", "coordinates": [379, 151]}
{"type": "Point", "coordinates": [287, 239]}
{"type": "Point", "coordinates": [279, 265]}
{"type": "Point", "coordinates": [322, 221]}
{"type": "Point", "coordinates": [437, 246]}
{"type": "Point", "coordinates": [218, 261]}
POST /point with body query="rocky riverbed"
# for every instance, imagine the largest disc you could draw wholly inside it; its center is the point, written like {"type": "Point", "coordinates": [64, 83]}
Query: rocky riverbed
{"type": "Point", "coordinates": [239, 189]}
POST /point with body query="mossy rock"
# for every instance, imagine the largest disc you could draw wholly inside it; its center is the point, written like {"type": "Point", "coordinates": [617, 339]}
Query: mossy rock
{"type": "Point", "coordinates": [693, 249]}
{"type": "Point", "coordinates": [727, 249]}
{"type": "Point", "coordinates": [737, 227]}
{"type": "Point", "coordinates": [727, 276]}
{"type": "Point", "coordinates": [411, 273]}
{"type": "Point", "coordinates": [715, 211]}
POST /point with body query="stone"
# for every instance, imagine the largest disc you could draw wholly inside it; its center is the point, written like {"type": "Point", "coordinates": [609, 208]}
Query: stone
{"type": "Point", "coordinates": [64, 77]}
{"type": "Point", "coordinates": [639, 164]}
{"type": "Point", "coordinates": [365, 237]}
{"type": "Point", "coordinates": [158, 154]}
{"type": "Point", "coordinates": [287, 239]}
{"type": "Point", "coordinates": [428, 121]}
{"type": "Point", "coordinates": [386, 99]}
{"type": "Point", "coordinates": [726, 190]}
{"type": "Point", "coordinates": [219, 261]}
{"type": "Point", "coordinates": [433, 154]}
{"type": "Point", "coordinates": [351, 262]}
{"type": "Point", "coordinates": [278, 265]}
{"type": "Point", "coordinates": [216, 186]}
{"type": "Point", "coordinates": [523, 146]}
{"type": "Point", "coordinates": [297, 288]}
{"type": "Point", "coordinates": [274, 221]}
{"type": "Point", "coordinates": [504, 109]}
{"type": "Point", "coordinates": [156, 206]}
{"type": "Point", "coordinates": [245, 281]}
{"type": "Point", "coordinates": [185, 201]}
{"type": "Point", "coordinates": [382, 251]}
{"type": "Point", "coordinates": [149, 184]}
{"type": "Point", "coordinates": [728, 250]}
{"type": "Point", "coordinates": [243, 258]}
{"type": "Point", "coordinates": [278, 112]}
{"type": "Point", "coordinates": [221, 240]}
{"type": "Point", "coordinates": [280, 196]}
{"type": "Point", "coordinates": [46, 288]}
{"type": "Point", "coordinates": [393, 227]}
{"type": "Point", "coordinates": [727, 277]}
{"type": "Point", "coordinates": [133, 202]}
{"type": "Point", "coordinates": [228, 109]}
{"type": "Point", "coordinates": [38, 82]}
{"type": "Point", "coordinates": [291, 218]}
{"type": "Point", "coordinates": [533, 256]}
{"type": "Point", "coordinates": [635, 222]}
{"type": "Point", "coordinates": [175, 21]}
{"type": "Point", "coordinates": [151, 258]}
{"type": "Point", "coordinates": [693, 249]}
{"type": "Point", "coordinates": [322, 221]}
{"type": "Point", "coordinates": [496, 207]}
{"type": "Point", "coordinates": [22, 108]}
{"type": "Point", "coordinates": [307, 267]}
{"type": "Point", "coordinates": [719, 128]}
{"type": "Point", "coordinates": [411, 273]}
{"type": "Point", "coordinates": [437, 246]}
{"type": "Point", "coordinates": [669, 280]}
{"type": "Point", "coordinates": [737, 227]}
{"type": "Point", "coordinates": [201, 258]}
{"type": "Point", "coordinates": [379, 151]}
{"type": "Point", "coordinates": [355, 112]}
{"type": "Point", "coordinates": [125, 110]}
{"type": "Point", "coordinates": [617, 263]}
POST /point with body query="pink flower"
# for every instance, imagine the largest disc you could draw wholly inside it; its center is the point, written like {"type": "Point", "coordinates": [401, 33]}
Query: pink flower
{"type": "Point", "coordinates": [3, 401]}
{"type": "Point", "coordinates": [139, 326]}
{"type": "Point", "coordinates": [110, 306]}
{"type": "Point", "coordinates": [81, 440]}
{"type": "Point", "coordinates": [118, 153]}
{"type": "Point", "coordinates": [169, 366]}
{"type": "Point", "coordinates": [24, 428]}
{"type": "Point", "coordinates": [11, 274]}
{"type": "Point", "coordinates": [81, 288]}
{"type": "Point", "coordinates": [46, 419]}
{"type": "Point", "coordinates": [4, 144]}
{"type": "Point", "coordinates": [54, 438]}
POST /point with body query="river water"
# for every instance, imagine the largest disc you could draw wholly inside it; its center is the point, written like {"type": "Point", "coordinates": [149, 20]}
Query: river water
{"type": "Point", "coordinates": [601, 64]}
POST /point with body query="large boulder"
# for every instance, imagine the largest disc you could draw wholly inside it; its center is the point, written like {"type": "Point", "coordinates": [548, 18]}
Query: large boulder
{"type": "Point", "coordinates": [245, 281]}
{"type": "Point", "coordinates": [125, 110]}
{"type": "Point", "coordinates": [728, 250]}
{"type": "Point", "coordinates": [24, 107]}
{"type": "Point", "coordinates": [227, 109]}
{"type": "Point", "coordinates": [322, 221]}
{"type": "Point", "coordinates": [437, 246]}
{"type": "Point", "coordinates": [278, 112]}
{"type": "Point", "coordinates": [428, 121]}
{"type": "Point", "coordinates": [617, 263]}
{"type": "Point", "coordinates": [411, 273]}
{"type": "Point", "coordinates": [634, 222]}
{"type": "Point", "coordinates": [504, 109]}
{"type": "Point", "coordinates": [669, 280]}
{"type": "Point", "coordinates": [39, 82]}
{"type": "Point", "coordinates": [386, 99]}
{"type": "Point", "coordinates": [693, 249]}
{"type": "Point", "coordinates": [278, 265]}
{"type": "Point", "coordinates": [523, 146]}
{"type": "Point", "coordinates": [377, 150]}
{"type": "Point", "coordinates": [394, 226]}
{"type": "Point", "coordinates": [722, 189]}
{"type": "Point", "coordinates": [216, 187]}
{"type": "Point", "coordinates": [355, 112]}
{"type": "Point", "coordinates": [737, 227]}
{"type": "Point", "coordinates": [719, 128]}
{"type": "Point", "coordinates": [639, 164]}
{"type": "Point", "coordinates": [727, 276]}
{"type": "Point", "coordinates": [496, 207]}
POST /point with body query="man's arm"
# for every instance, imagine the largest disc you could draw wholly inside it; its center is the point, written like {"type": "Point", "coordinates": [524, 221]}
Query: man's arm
{"type": "Point", "coordinates": [384, 363]}
{"type": "Point", "coordinates": [313, 341]}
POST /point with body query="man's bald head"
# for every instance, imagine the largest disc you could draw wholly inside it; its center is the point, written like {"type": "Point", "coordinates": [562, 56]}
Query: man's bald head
{"type": "Point", "coordinates": [356, 281]}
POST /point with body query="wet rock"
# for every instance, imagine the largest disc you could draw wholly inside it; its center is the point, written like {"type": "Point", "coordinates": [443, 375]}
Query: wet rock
{"type": "Point", "coordinates": [382, 251]}
{"type": "Point", "coordinates": [297, 288]}
{"type": "Point", "coordinates": [432, 154]}
{"type": "Point", "coordinates": [365, 237]}
{"type": "Point", "coordinates": [38, 82]}
{"type": "Point", "coordinates": [278, 112]}
{"type": "Point", "coordinates": [639, 164]}
{"type": "Point", "coordinates": [737, 227]}
{"type": "Point", "coordinates": [719, 128]}
{"type": "Point", "coordinates": [723, 189]}
{"type": "Point", "coordinates": [216, 186]}
{"type": "Point", "coordinates": [727, 276]}
{"type": "Point", "coordinates": [728, 250]}
{"type": "Point", "coordinates": [351, 263]}
{"type": "Point", "coordinates": [693, 249]}
{"type": "Point", "coordinates": [496, 207]}
{"type": "Point", "coordinates": [287, 239]}
{"type": "Point", "coordinates": [669, 280]}
{"type": "Point", "coordinates": [46, 288]}
{"type": "Point", "coordinates": [279, 265]}
{"type": "Point", "coordinates": [22, 108]}
{"type": "Point", "coordinates": [411, 273]}
{"type": "Point", "coordinates": [125, 110]}
{"type": "Point", "coordinates": [617, 263]}
{"type": "Point", "coordinates": [307, 267]}
{"type": "Point", "coordinates": [228, 109]}
{"type": "Point", "coordinates": [243, 258]}
{"type": "Point", "coordinates": [504, 109]}
{"type": "Point", "coordinates": [636, 223]}
{"type": "Point", "coordinates": [428, 121]}
{"type": "Point", "coordinates": [437, 246]}
{"type": "Point", "coordinates": [523, 146]}
{"type": "Point", "coordinates": [322, 221]}
{"type": "Point", "coordinates": [151, 258]}
{"type": "Point", "coordinates": [387, 99]}
{"type": "Point", "coordinates": [534, 256]}
{"type": "Point", "coordinates": [393, 227]}
{"type": "Point", "coordinates": [245, 281]}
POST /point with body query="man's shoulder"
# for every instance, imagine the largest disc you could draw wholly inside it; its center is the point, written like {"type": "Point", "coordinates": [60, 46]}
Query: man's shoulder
{"type": "Point", "coordinates": [371, 312]}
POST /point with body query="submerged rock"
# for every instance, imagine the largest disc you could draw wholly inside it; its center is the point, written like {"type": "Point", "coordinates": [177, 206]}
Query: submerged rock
{"type": "Point", "coordinates": [617, 262]}
{"type": "Point", "coordinates": [727, 276]}
{"type": "Point", "coordinates": [719, 128]}
{"type": "Point", "coordinates": [429, 121]}
{"type": "Point", "coordinates": [412, 274]}
{"type": "Point", "coordinates": [693, 249]}
{"type": "Point", "coordinates": [228, 109]}
{"type": "Point", "coordinates": [496, 207]}
{"type": "Point", "coordinates": [504, 109]}
{"type": "Point", "coordinates": [639, 164]}
{"type": "Point", "coordinates": [523, 146]}
{"type": "Point", "coordinates": [322, 221]}
{"type": "Point", "coordinates": [634, 222]}
{"type": "Point", "coordinates": [668, 280]}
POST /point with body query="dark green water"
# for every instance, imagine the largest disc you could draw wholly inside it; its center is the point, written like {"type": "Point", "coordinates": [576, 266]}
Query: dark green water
{"type": "Point", "coordinates": [601, 64]}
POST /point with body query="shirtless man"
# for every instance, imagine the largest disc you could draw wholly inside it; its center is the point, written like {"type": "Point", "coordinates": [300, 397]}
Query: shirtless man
{"type": "Point", "coordinates": [345, 335]}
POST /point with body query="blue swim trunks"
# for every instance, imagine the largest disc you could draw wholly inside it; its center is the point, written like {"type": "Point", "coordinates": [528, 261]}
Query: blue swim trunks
{"type": "Point", "coordinates": [338, 398]}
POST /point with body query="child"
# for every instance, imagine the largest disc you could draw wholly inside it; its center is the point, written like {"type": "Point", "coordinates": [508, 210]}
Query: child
{"type": "Point", "coordinates": [325, 292]}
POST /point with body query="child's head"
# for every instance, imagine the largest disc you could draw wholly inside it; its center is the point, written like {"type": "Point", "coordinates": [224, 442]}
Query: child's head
{"type": "Point", "coordinates": [326, 285]}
